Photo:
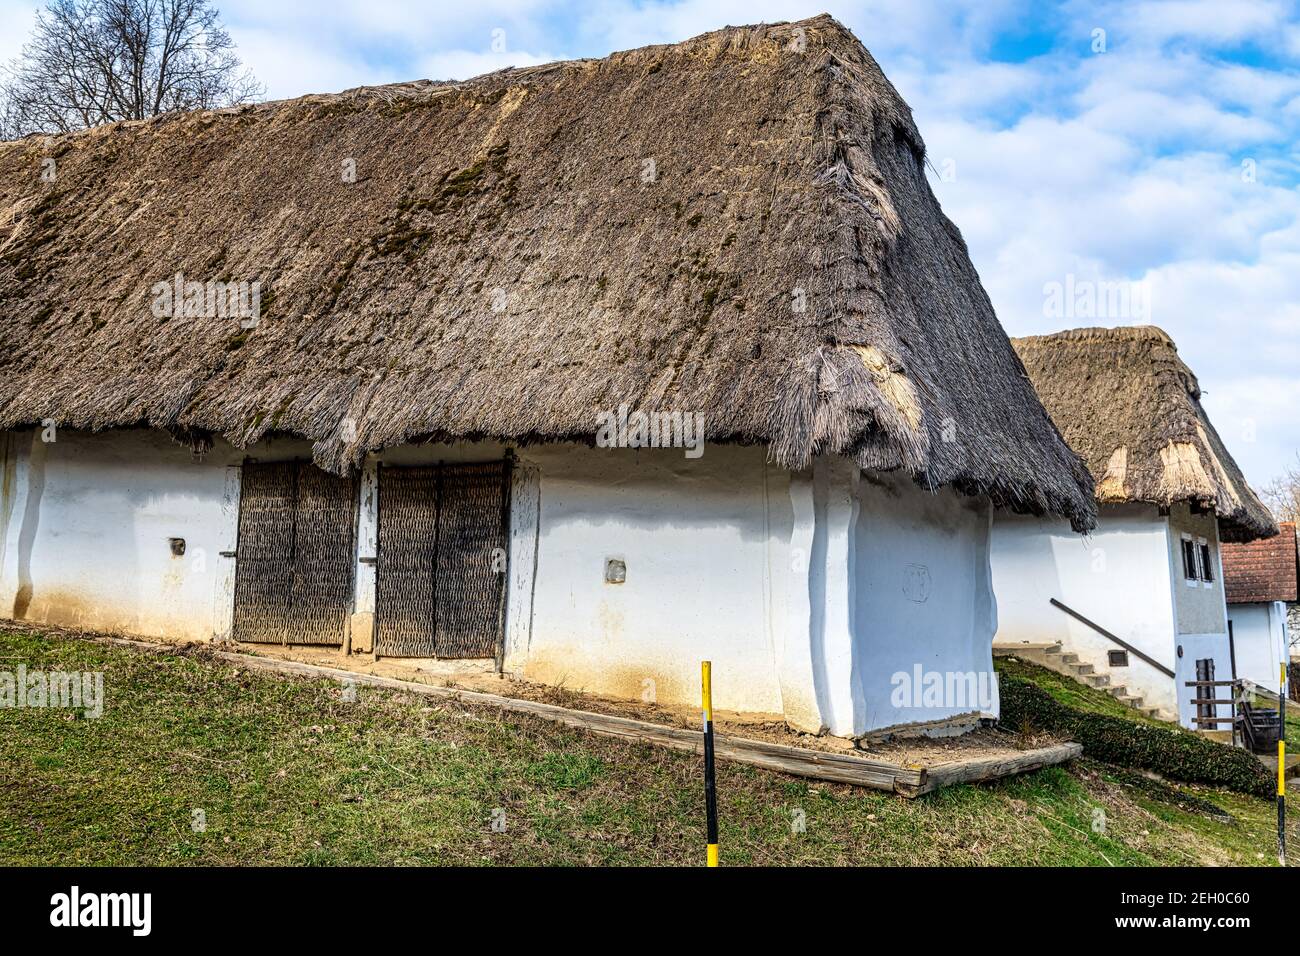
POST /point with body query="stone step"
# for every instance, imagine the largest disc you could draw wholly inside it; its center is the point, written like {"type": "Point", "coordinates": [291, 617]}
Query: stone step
{"type": "Point", "coordinates": [1067, 664]}
{"type": "Point", "coordinates": [1025, 647]}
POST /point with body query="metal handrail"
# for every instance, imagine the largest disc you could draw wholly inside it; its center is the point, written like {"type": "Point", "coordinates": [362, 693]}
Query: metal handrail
{"type": "Point", "coordinates": [1120, 641]}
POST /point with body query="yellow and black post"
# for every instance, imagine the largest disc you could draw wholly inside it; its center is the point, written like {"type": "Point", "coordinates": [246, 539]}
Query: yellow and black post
{"type": "Point", "coordinates": [1281, 766]}
{"type": "Point", "coordinates": [710, 787]}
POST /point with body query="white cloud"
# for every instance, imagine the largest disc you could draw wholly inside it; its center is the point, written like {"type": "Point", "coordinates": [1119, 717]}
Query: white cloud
{"type": "Point", "coordinates": [464, 64]}
{"type": "Point", "coordinates": [1213, 21]}
{"type": "Point", "coordinates": [1128, 166]}
{"type": "Point", "coordinates": [291, 65]}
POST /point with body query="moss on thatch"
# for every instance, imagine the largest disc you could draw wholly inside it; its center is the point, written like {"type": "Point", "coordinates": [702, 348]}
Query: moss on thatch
{"type": "Point", "coordinates": [1131, 408]}
{"type": "Point", "coordinates": [739, 225]}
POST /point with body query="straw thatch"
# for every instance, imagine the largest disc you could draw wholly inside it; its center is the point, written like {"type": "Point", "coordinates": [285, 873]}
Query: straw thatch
{"type": "Point", "coordinates": [738, 225]}
{"type": "Point", "coordinates": [1131, 408]}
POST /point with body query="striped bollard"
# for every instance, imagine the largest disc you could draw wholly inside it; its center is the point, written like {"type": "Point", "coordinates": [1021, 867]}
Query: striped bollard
{"type": "Point", "coordinates": [1281, 766]}
{"type": "Point", "coordinates": [710, 788]}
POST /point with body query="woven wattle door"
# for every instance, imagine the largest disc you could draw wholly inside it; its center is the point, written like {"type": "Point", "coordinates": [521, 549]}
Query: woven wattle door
{"type": "Point", "coordinates": [325, 557]}
{"type": "Point", "coordinates": [294, 564]}
{"type": "Point", "coordinates": [440, 577]}
{"type": "Point", "coordinates": [405, 572]}
{"type": "Point", "coordinates": [471, 550]}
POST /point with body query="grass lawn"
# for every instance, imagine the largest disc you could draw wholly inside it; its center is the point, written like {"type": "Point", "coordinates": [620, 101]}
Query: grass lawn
{"type": "Point", "coordinates": [285, 771]}
{"type": "Point", "coordinates": [1072, 693]}
{"type": "Point", "coordinates": [1082, 697]}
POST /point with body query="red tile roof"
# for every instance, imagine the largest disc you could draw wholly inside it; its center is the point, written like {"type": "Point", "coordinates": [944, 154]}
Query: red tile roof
{"type": "Point", "coordinates": [1264, 570]}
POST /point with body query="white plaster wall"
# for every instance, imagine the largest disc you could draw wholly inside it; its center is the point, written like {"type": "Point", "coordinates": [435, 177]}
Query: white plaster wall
{"type": "Point", "coordinates": [694, 535]}
{"type": "Point", "coordinates": [809, 592]}
{"type": "Point", "coordinates": [1118, 576]}
{"type": "Point", "coordinates": [1201, 613]}
{"type": "Point", "coordinates": [1194, 647]}
{"type": "Point", "coordinates": [1259, 632]}
{"type": "Point", "coordinates": [1127, 577]}
{"type": "Point", "coordinates": [802, 589]}
{"type": "Point", "coordinates": [924, 600]}
{"type": "Point", "coordinates": [88, 540]}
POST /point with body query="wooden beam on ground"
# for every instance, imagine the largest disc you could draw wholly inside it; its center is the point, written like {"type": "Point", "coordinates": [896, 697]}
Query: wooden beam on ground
{"type": "Point", "coordinates": [908, 781]}
{"type": "Point", "coordinates": [839, 768]}
{"type": "Point", "coordinates": [992, 768]}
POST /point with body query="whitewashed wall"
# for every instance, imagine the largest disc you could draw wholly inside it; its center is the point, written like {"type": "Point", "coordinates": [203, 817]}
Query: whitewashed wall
{"type": "Point", "coordinates": [694, 537]}
{"type": "Point", "coordinates": [809, 592]}
{"type": "Point", "coordinates": [88, 540]}
{"type": "Point", "coordinates": [1259, 632]}
{"type": "Point", "coordinates": [1194, 647]}
{"type": "Point", "coordinates": [1123, 576]}
{"type": "Point", "coordinates": [13, 448]}
{"type": "Point", "coordinates": [1118, 576]}
{"type": "Point", "coordinates": [926, 602]}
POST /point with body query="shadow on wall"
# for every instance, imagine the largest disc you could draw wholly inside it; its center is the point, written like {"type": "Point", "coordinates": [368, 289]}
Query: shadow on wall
{"type": "Point", "coordinates": [74, 559]}
{"type": "Point", "coordinates": [1027, 556]}
{"type": "Point", "coordinates": [817, 602]}
{"type": "Point", "coordinates": [31, 519]}
{"type": "Point", "coordinates": [923, 605]}
{"type": "Point", "coordinates": [8, 491]}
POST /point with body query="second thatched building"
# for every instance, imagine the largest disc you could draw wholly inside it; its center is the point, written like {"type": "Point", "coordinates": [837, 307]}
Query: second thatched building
{"type": "Point", "coordinates": [1138, 605]}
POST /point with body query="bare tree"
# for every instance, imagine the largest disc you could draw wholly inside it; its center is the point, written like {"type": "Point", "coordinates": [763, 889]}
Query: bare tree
{"type": "Point", "coordinates": [98, 61]}
{"type": "Point", "coordinates": [1282, 494]}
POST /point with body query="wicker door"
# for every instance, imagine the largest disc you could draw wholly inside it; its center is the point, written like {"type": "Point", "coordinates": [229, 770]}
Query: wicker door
{"type": "Point", "coordinates": [441, 569]}
{"type": "Point", "coordinates": [294, 563]}
{"type": "Point", "coordinates": [407, 562]}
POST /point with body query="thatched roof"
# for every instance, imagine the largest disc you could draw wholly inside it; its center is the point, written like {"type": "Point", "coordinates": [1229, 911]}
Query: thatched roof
{"type": "Point", "coordinates": [1131, 408]}
{"type": "Point", "coordinates": [524, 250]}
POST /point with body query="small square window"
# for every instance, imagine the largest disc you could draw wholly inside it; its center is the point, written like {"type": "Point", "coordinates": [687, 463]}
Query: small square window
{"type": "Point", "coordinates": [1118, 658]}
{"type": "Point", "coordinates": [1207, 563]}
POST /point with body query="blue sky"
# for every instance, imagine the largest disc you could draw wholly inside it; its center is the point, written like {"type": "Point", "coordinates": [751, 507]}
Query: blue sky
{"type": "Point", "coordinates": [1160, 155]}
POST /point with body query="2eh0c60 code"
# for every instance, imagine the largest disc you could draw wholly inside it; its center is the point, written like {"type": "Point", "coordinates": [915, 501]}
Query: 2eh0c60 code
{"type": "Point", "coordinates": [1201, 898]}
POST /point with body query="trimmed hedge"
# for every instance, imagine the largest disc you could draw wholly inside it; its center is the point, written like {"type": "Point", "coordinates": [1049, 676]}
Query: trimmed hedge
{"type": "Point", "coordinates": [1173, 753]}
